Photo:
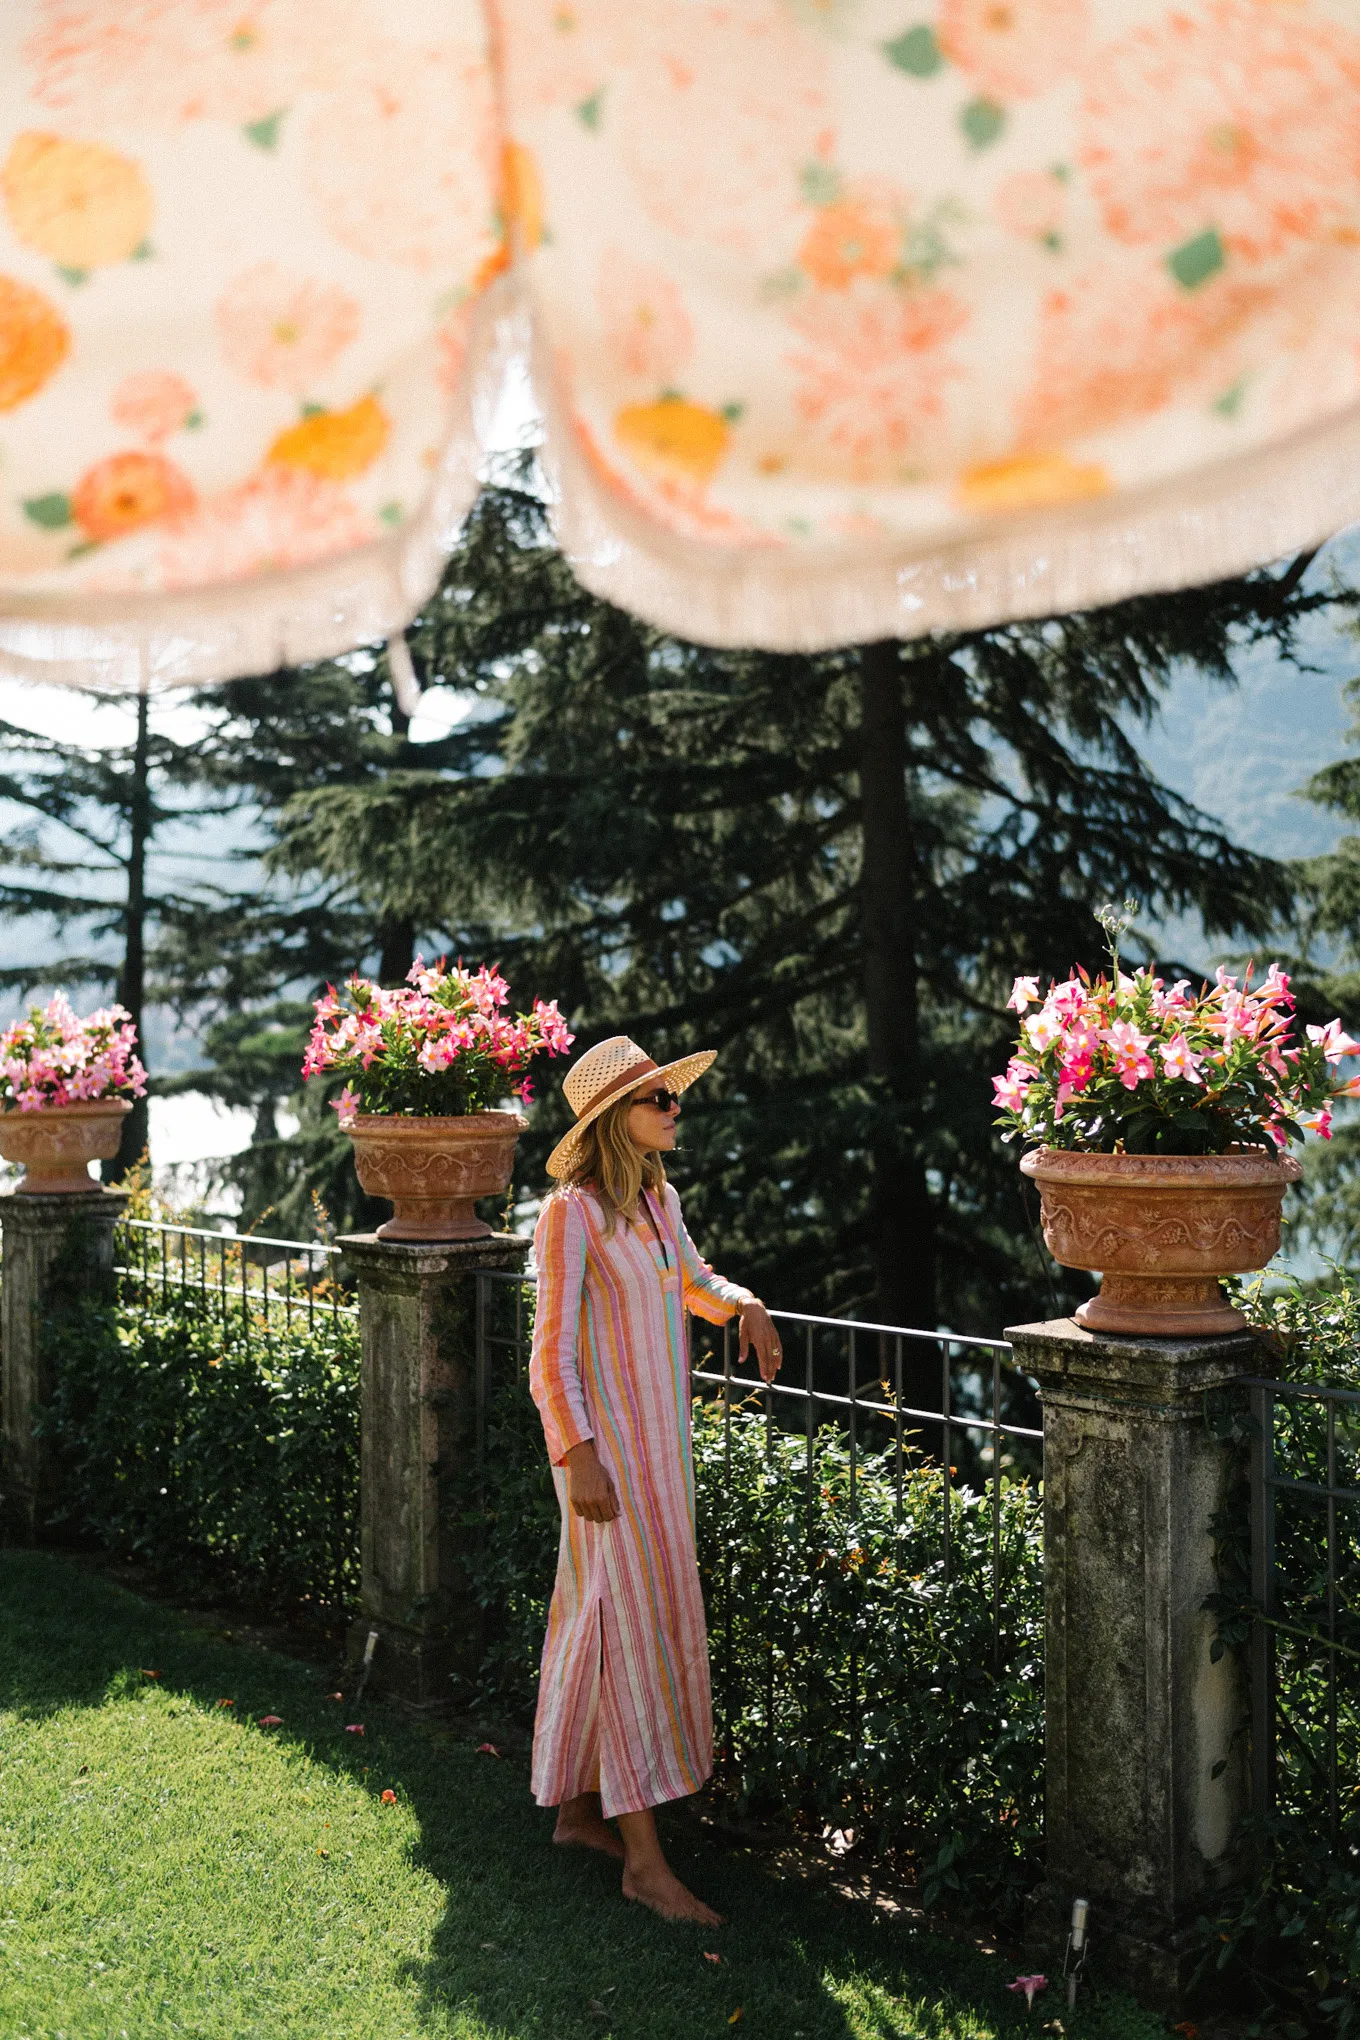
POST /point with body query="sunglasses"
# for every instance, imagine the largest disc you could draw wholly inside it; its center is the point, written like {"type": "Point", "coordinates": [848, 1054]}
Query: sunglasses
{"type": "Point", "coordinates": [664, 1101]}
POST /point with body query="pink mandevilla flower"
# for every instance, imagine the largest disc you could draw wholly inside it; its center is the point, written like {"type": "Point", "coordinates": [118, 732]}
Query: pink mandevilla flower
{"type": "Point", "coordinates": [1333, 1041]}
{"type": "Point", "coordinates": [1024, 992]}
{"type": "Point", "coordinates": [1030, 1985]}
{"type": "Point", "coordinates": [1131, 1060]}
{"type": "Point", "coordinates": [1043, 1029]}
{"type": "Point", "coordinates": [1180, 1060]}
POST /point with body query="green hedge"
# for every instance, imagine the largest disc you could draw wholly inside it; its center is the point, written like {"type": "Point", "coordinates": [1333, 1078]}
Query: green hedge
{"type": "Point", "coordinates": [853, 1688]}
{"type": "Point", "coordinates": [214, 1440]}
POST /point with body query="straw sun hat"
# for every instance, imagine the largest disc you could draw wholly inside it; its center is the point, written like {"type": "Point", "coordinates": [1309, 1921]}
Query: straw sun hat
{"type": "Point", "coordinates": [606, 1073]}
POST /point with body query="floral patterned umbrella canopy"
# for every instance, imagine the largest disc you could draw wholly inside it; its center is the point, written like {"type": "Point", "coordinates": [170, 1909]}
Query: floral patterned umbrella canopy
{"type": "Point", "coordinates": [846, 317]}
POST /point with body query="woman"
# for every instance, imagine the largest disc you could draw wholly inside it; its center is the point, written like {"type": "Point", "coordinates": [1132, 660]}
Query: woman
{"type": "Point", "coordinates": [624, 1719]}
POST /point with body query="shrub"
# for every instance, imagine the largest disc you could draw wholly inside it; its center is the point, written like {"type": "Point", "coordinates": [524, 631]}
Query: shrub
{"type": "Point", "coordinates": [212, 1438]}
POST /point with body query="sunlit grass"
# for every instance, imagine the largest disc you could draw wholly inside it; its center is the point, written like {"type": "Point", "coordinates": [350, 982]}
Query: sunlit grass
{"type": "Point", "coordinates": [169, 1866]}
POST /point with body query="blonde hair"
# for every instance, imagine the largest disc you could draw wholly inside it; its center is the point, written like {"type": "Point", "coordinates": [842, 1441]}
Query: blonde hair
{"type": "Point", "coordinates": [609, 1162]}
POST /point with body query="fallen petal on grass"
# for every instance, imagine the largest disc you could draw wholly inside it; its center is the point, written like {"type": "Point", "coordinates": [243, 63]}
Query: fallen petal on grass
{"type": "Point", "coordinates": [709, 1956]}
{"type": "Point", "coordinates": [389, 1797]}
{"type": "Point", "coordinates": [487, 1749]}
{"type": "Point", "coordinates": [354, 1728]}
{"type": "Point", "coordinates": [335, 1696]}
{"type": "Point", "coordinates": [735, 2016]}
{"type": "Point", "coordinates": [271, 1720]}
{"type": "Point", "coordinates": [1030, 1985]}
{"type": "Point", "coordinates": [226, 1703]}
{"type": "Point", "coordinates": [147, 1673]}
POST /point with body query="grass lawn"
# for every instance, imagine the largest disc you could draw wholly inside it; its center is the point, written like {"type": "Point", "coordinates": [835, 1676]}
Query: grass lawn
{"type": "Point", "coordinates": [170, 1866]}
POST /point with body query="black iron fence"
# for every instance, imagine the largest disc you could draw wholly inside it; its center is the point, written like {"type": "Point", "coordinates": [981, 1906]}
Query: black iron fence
{"type": "Point", "coordinates": [260, 1282]}
{"type": "Point", "coordinates": [1305, 1556]}
{"type": "Point", "coordinates": [873, 1573]}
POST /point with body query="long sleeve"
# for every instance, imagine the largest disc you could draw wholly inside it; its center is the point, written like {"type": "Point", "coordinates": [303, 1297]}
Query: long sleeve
{"type": "Point", "coordinates": [554, 1373]}
{"type": "Point", "coordinates": [707, 1295]}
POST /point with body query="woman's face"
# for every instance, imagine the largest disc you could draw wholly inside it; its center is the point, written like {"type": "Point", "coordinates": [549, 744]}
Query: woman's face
{"type": "Point", "coordinates": [651, 1126]}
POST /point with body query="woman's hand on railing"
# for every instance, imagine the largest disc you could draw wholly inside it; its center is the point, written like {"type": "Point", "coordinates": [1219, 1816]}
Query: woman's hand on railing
{"type": "Point", "coordinates": [758, 1332]}
{"type": "Point", "coordinates": [589, 1488]}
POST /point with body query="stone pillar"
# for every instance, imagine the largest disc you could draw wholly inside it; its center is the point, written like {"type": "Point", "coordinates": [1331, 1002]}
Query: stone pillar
{"type": "Point", "coordinates": [57, 1250]}
{"type": "Point", "coordinates": [1146, 1765]}
{"type": "Point", "coordinates": [418, 1327]}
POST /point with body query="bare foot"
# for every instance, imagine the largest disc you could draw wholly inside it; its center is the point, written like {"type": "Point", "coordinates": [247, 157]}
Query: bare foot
{"type": "Point", "coordinates": [660, 1888]}
{"type": "Point", "coordinates": [586, 1830]}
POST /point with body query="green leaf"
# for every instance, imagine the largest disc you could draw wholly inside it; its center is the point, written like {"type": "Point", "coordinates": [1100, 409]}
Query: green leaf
{"type": "Point", "coordinates": [982, 121]}
{"type": "Point", "coordinates": [193, 421]}
{"type": "Point", "coordinates": [1195, 261]}
{"type": "Point", "coordinates": [590, 110]}
{"type": "Point", "coordinates": [52, 512]}
{"type": "Point", "coordinates": [391, 513]}
{"type": "Point", "coordinates": [265, 133]}
{"type": "Point", "coordinates": [915, 51]}
{"type": "Point", "coordinates": [72, 276]}
{"type": "Point", "coordinates": [143, 252]}
{"type": "Point", "coordinates": [820, 183]}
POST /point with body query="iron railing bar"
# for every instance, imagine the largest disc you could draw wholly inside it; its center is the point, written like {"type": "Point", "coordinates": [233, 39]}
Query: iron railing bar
{"type": "Point", "coordinates": [1333, 1805]}
{"type": "Point", "coordinates": [841, 1324]}
{"type": "Point", "coordinates": [1263, 1595]}
{"type": "Point", "coordinates": [823, 1395]}
{"type": "Point", "coordinates": [1313, 1490]}
{"type": "Point", "coordinates": [1295, 1391]}
{"type": "Point", "coordinates": [231, 1239]}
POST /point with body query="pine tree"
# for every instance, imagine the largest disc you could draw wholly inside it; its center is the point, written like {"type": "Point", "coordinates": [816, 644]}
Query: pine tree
{"type": "Point", "coordinates": [828, 867]}
{"type": "Point", "coordinates": [80, 858]}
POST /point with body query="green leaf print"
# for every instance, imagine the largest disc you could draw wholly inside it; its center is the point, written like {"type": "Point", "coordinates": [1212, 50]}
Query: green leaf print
{"type": "Point", "coordinates": [1194, 262]}
{"type": "Point", "coordinates": [915, 51]}
{"type": "Point", "coordinates": [982, 121]}
{"type": "Point", "coordinates": [52, 512]}
{"type": "Point", "coordinates": [265, 133]}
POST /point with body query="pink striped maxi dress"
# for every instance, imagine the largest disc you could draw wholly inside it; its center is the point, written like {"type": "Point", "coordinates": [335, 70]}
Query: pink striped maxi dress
{"type": "Point", "coordinates": [623, 1704]}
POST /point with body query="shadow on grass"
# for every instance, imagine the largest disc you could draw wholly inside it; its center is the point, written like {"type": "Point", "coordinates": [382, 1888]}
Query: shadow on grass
{"type": "Point", "coordinates": [535, 1942]}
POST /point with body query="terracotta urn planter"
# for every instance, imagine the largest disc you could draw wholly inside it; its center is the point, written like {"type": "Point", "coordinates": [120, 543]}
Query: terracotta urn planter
{"type": "Point", "coordinates": [1161, 1230]}
{"type": "Point", "coordinates": [57, 1143]}
{"type": "Point", "coordinates": [434, 1170]}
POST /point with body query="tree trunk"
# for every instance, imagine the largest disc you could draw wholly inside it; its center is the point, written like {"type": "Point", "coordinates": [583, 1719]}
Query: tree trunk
{"type": "Point", "coordinates": [131, 991]}
{"type": "Point", "coordinates": [396, 944]}
{"type": "Point", "coordinates": [901, 1216]}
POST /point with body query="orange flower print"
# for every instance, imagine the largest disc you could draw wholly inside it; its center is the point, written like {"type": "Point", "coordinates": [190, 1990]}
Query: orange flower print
{"type": "Point", "coordinates": [519, 213]}
{"type": "Point", "coordinates": [279, 517]}
{"type": "Point", "coordinates": [1231, 131]}
{"type": "Point", "coordinates": [120, 494]}
{"type": "Point", "coordinates": [153, 404]}
{"type": "Point", "coordinates": [170, 61]}
{"type": "Point", "coordinates": [34, 342]}
{"type": "Point", "coordinates": [1030, 481]}
{"type": "Point", "coordinates": [647, 332]}
{"type": "Point", "coordinates": [735, 100]}
{"type": "Point", "coordinates": [1014, 49]}
{"type": "Point", "coordinates": [1122, 340]}
{"type": "Point", "coordinates": [335, 445]}
{"type": "Point", "coordinates": [858, 234]}
{"type": "Point", "coordinates": [78, 203]}
{"type": "Point", "coordinates": [401, 159]}
{"type": "Point", "coordinates": [673, 440]}
{"type": "Point", "coordinates": [1032, 205]}
{"type": "Point", "coordinates": [283, 331]}
{"type": "Point", "coordinates": [875, 375]}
